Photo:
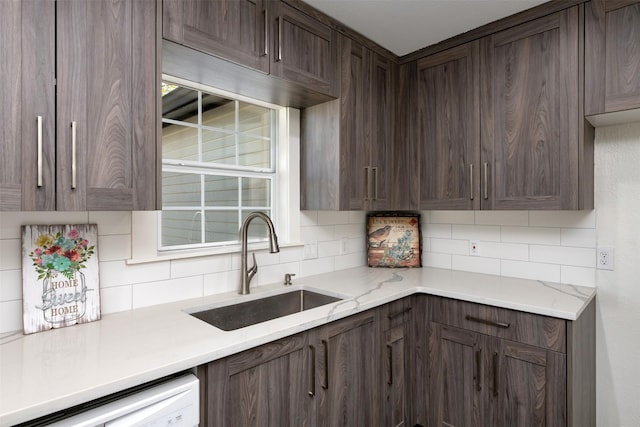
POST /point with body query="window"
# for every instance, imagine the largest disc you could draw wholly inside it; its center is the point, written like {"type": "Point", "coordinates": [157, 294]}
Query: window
{"type": "Point", "coordinates": [218, 165]}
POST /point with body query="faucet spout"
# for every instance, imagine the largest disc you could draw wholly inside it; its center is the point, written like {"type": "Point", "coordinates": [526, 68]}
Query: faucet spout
{"type": "Point", "coordinates": [248, 273]}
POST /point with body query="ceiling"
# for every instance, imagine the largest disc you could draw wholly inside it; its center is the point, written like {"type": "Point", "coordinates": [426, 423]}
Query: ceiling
{"type": "Point", "coordinates": [404, 26]}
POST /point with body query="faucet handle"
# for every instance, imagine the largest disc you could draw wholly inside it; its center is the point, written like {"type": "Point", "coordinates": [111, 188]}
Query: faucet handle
{"type": "Point", "coordinates": [287, 278]}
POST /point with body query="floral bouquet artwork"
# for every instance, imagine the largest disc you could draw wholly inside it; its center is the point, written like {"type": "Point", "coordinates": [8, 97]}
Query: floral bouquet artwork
{"type": "Point", "coordinates": [393, 240]}
{"type": "Point", "coordinates": [60, 276]}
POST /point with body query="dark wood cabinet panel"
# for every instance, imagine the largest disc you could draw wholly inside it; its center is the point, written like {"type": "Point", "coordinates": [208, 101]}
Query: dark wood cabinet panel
{"type": "Point", "coordinates": [612, 56]}
{"type": "Point", "coordinates": [531, 115]}
{"type": "Point", "coordinates": [449, 128]}
{"type": "Point", "coordinates": [86, 88]}
{"type": "Point", "coordinates": [27, 113]}
{"type": "Point", "coordinates": [265, 386]}
{"type": "Point", "coordinates": [234, 29]}
{"type": "Point", "coordinates": [106, 105]}
{"type": "Point", "coordinates": [347, 144]}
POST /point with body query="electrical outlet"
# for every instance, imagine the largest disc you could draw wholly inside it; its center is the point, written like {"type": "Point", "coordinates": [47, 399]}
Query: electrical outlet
{"type": "Point", "coordinates": [344, 246]}
{"type": "Point", "coordinates": [605, 258]}
{"type": "Point", "coordinates": [474, 247]}
{"type": "Point", "coordinates": [311, 250]}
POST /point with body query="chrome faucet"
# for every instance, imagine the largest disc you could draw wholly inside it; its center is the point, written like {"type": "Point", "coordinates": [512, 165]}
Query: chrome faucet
{"type": "Point", "coordinates": [247, 274]}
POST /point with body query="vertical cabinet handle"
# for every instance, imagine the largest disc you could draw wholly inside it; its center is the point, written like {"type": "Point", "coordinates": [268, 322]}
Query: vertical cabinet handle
{"type": "Point", "coordinates": [73, 155]}
{"type": "Point", "coordinates": [390, 360]}
{"type": "Point", "coordinates": [375, 182]}
{"type": "Point", "coordinates": [495, 374]}
{"type": "Point", "coordinates": [479, 369]}
{"type": "Point", "coordinates": [325, 346]}
{"type": "Point", "coordinates": [367, 176]}
{"type": "Point", "coordinates": [471, 181]}
{"type": "Point", "coordinates": [39, 121]}
{"type": "Point", "coordinates": [312, 375]}
{"type": "Point", "coordinates": [265, 13]}
{"type": "Point", "coordinates": [486, 180]}
{"type": "Point", "coordinates": [279, 57]}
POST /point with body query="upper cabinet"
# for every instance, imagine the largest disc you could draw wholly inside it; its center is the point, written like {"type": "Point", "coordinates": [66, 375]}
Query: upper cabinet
{"type": "Point", "coordinates": [500, 121]}
{"type": "Point", "coordinates": [84, 137]}
{"type": "Point", "coordinates": [347, 143]}
{"type": "Point", "coordinates": [612, 56]}
{"type": "Point", "coordinates": [532, 137]}
{"type": "Point", "coordinates": [265, 35]}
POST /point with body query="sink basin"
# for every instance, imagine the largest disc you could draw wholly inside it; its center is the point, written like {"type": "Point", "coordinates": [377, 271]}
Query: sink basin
{"type": "Point", "coordinates": [236, 316]}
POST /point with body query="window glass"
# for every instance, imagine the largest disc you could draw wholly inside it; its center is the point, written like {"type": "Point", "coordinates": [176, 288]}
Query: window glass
{"type": "Point", "coordinates": [217, 166]}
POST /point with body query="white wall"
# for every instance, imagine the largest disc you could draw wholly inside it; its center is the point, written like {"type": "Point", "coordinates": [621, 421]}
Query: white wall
{"type": "Point", "coordinates": [552, 246]}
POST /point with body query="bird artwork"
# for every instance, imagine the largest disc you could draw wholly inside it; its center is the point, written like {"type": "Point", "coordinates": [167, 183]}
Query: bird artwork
{"type": "Point", "coordinates": [379, 236]}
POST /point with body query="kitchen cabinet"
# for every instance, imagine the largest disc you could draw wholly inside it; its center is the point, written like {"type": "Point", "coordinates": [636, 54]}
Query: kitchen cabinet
{"type": "Point", "coordinates": [493, 366]}
{"type": "Point", "coordinates": [534, 154]}
{"type": "Point", "coordinates": [347, 144]}
{"type": "Point", "coordinates": [612, 56]}
{"type": "Point", "coordinates": [270, 385]}
{"type": "Point", "coordinates": [89, 102]}
{"type": "Point", "coordinates": [269, 36]}
{"type": "Point", "coordinates": [449, 128]}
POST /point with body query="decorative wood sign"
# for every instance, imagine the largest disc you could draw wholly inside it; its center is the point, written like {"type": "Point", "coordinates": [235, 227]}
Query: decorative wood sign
{"type": "Point", "coordinates": [60, 280]}
{"type": "Point", "coordinates": [393, 240]}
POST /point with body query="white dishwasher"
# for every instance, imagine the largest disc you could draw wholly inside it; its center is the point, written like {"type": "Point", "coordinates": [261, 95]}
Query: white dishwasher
{"type": "Point", "coordinates": [174, 403]}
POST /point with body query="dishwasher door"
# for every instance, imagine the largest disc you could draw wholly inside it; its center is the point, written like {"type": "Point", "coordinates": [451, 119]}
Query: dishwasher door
{"type": "Point", "coordinates": [173, 403]}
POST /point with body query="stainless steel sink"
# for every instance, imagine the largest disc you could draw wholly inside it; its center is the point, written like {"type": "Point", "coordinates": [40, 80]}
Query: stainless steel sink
{"type": "Point", "coordinates": [236, 316]}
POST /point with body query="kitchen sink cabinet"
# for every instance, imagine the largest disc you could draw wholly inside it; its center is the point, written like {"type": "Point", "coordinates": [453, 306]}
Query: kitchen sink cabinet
{"type": "Point", "coordinates": [85, 134]}
{"type": "Point", "coordinates": [493, 366]}
{"type": "Point", "coordinates": [612, 57]}
{"type": "Point", "coordinates": [270, 385]}
{"type": "Point", "coordinates": [269, 36]}
{"type": "Point", "coordinates": [347, 144]}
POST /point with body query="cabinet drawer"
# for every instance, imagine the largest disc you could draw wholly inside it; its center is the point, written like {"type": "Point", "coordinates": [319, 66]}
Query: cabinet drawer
{"type": "Point", "coordinates": [533, 329]}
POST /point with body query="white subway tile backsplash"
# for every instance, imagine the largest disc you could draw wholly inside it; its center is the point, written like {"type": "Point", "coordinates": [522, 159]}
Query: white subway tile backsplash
{"type": "Point", "coordinates": [219, 283]}
{"type": "Point", "coordinates": [538, 236]}
{"type": "Point", "coordinates": [320, 233]}
{"type": "Point", "coordinates": [577, 257]}
{"type": "Point", "coordinates": [448, 246]}
{"type": "Point", "coordinates": [349, 230]}
{"type": "Point", "coordinates": [114, 247]}
{"type": "Point", "coordinates": [357, 217]}
{"type": "Point", "coordinates": [513, 251]}
{"type": "Point", "coordinates": [581, 276]}
{"type": "Point", "coordinates": [10, 316]}
{"type": "Point", "coordinates": [10, 285]}
{"type": "Point", "coordinates": [352, 260]}
{"type": "Point", "coordinates": [10, 254]}
{"type": "Point", "coordinates": [568, 219]}
{"type": "Point", "coordinates": [513, 218]}
{"type": "Point", "coordinates": [292, 254]}
{"type": "Point", "coordinates": [160, 292]}
{"type": "Point", "coordinates": [117, 273]}
{"type": "Point", "coordinates": [327, 249]}
{"type": "Point", "coordinates": [10, 222]}
{"type": "Point", "coordinates": [476, 264]}
{"type": "Point", "coordinates": [476, 232]}
{"type": "Point", "coordinates": [312, 267]}
{"type": "Point", "coordinates": [442, 231]}
{"type": "Point", "coordinates": [451, 217]}
{"type": "Point", "coordinates": [436, 260]}
{"type": "Point", "coordinates": [308, 218]}
{"type": "Point", "coordinates": [275, 273]}
{"type": "Point", "coordinates": [111, 222]}
{"type": "Point", "coordinates": [202, 265]}
{"type": "Point", "coordinates": [331, 217]}
{"type": "Point", "coordinates": [582, 237]}
{"type": "Point", "coordinates": [531, 270]}
{"type": "Point", "coordinates": [117, 298]}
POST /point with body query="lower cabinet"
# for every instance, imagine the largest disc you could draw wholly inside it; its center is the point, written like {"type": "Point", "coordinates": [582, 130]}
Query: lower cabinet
{"type": "Point", "coordinates": [418, 361]}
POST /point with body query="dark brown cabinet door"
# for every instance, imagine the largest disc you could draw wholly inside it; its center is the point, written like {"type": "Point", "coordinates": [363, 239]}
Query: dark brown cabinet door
{"type": "Point", "coordinates": [304, 50]}
{"type": "Point", "coordinates": [612, 56]}
{"type": "Point", "coordinates": [449, 128]}
{"type": "Point", "coordinates": [530, 104]}
{"type": "Point", "coordinates": [457, 387]}
{"type": "Point", "coordinates": [528, 385]}
{"type": "Point", "coordinates": [350, 371]}
{"type": "Point", "coordinates": [106, 105]}
{"type": "Point", "coordinates": [236, 30]}
{"type": "Point", "coordinates": [27, 111]}
{"type": "Point", "coordinates": [270, 385]}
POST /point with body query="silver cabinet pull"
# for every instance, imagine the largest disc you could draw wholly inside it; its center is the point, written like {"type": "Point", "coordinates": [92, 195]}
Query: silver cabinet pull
{"type": "Point", "coordinates": [390, 361]}
{"type": "Point", "coordinates": [479, 369]}
{"type": "Point", "coordinates": [471, 181]}
{"type": "Point", "coordinates": [279, 57]}
{"type": "Point", "coordinates": [495, 374]}
{"type": "Point", "coordinates": [39, 120]}
{"type": "Point", "coordinates": [375, 182]}
{"type": "Point", "coordinates": [486, 180]}
{"type": "Point", "coordinates": [325, 346]}
{"type": "Point", "coordinates": [73, 155]}
{"type": "Point", "coordinates": [312, 371]}
{"type": "Point", "coordinates": [265, 12]}
{"type": "Point", "coordinates": [487, 322]}
{"type": "Point", "coordinates": [367, 177]}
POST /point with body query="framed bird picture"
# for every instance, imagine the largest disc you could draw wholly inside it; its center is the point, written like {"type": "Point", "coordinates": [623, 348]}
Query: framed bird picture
{"type": "Point", "coordinates": [393, 239]}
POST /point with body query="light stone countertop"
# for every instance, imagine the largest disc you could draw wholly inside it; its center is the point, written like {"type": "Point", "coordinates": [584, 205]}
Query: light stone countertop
{"type": "Point", "coordinates": [46, 372]}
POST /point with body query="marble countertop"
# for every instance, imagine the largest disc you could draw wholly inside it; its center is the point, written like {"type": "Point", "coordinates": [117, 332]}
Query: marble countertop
{"type": "Point", "coordinates": [45, 372]}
